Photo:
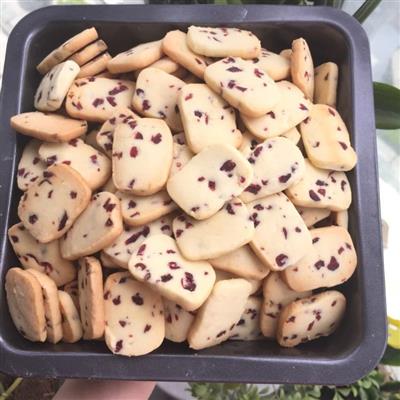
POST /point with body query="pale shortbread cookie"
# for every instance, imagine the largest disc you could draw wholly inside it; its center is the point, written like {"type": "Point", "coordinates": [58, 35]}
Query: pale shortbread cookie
{"type": "Point", "coordinates": [286, 53]}
{"type": "Point", "coordinates": [275, 65]}
{"type": "Point", "coordinates": [223, 42]}
{"type": "Point", "coordinates": [159, 263]}
{"type": "Point", "coordinates": [302, 67]}
{"type": "Point", "coordinates": [327, 140]}
{"type": "Point", "coordinates": [134, 145]}
{"type": "Point", "coordinates": [277, 164]}
{"type": "Point", "coordinates": [71, 323]}
{"type": "Point", "coordinates": [156, 96]}
{"type": "Point", "coordinates": [292, 134]}
{"type": "Point", "coordinates": [276, 296]}
{"type": "Point", "coordinates": [341, 218]}
{"type": "Point", "coordinates": [326, 81]}
{"type": "Point", "coordinates": [50, 206]}
{"type": "Point", "coordinates": [218, 316]}
{"type": "Point", "coordinates": [105, 135]}
{"type": "Point", "coordinates": [140, 210]}
{"type": "Point", "coordinates": [48, 127]}
{"type": "Point", "coordinates": [91, 304]}
{"type": "Point", "coordinates": [68, 48]}
{"type": "Point", "coordinates": [291, 109]}
{"type": "Point", "coordinates": [281, 236]}
{"type": "Point", "coordinates": [137, 57]}
{"type": "Point", "coordinates": [25, 304]}
{"type": "Point", "coordinates": [72, 289]}
{"type": "Point", "coordinates": [97, 99]}
{"type": "Point", "coordinates": [243, 86]}
{"type": "Point", "coordinates": [30, 166]}
{"type": "Point", "coordinates": [45, 258]}
{"type": "Point", "coordinates": [51, 306]}
{"type": "Point", "coordinates": [166, 64]}
{"type": "Point", "coordinates": [212, 177]}
{"type": "Point", "coordinates": [174, 45]}
{"type": "Point", "coordinates": [89, 52]}
{"type": "Point", "coordinates": [95, 66]}
{"type": "Point", "coordinates": [321, 188]}
{"type": "Point", "coordinates": [310, 318]}
{"type": "Point", "coordinates": [126, 244]}
{"type": "Point", "coordinates": [109, 186]}
{"type": "Point", "coordinates": [242, 262]}
{"type": "Point", "coordinates": [248, 326]}
{"type": "Point", "coordinates": [207, 118]}
{"type": "Point", "coordinates": [54, 86]}
{"type": "Point", "coordinates": [134, 316]}
{"type": "Point", "coordinates": [97, 227]}
{"type": "Point", "coordinates": [177, 321]}
{"type": "Point", "coordinates": [221, 275]}
{"type": "Point", "coordinates": [181, 156]}
{"type": "Point", "coordinates": [313, 215]}
{"type": "Point", "coordinates": [91, 164]}
{"type": "Point", "coordinates": [227, 230]}
{"type": "Point", "coordinates": [331, 262]}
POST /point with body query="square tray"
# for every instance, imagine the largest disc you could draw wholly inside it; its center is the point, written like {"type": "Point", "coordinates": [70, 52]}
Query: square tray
{"type": "Point", "coordinates": [333, 36]}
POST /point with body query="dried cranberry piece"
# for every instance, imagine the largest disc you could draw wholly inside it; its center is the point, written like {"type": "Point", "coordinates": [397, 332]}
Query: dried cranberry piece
{"type": "Point", "coordinates": [73, 194]}
{"type": "Point", "coordinates": [313, 195]}
{"type": "Point", "coordinates": [333, 264]}
{"type": "Point", "coordinates": [134, 152]}
{"type": "Point", "coordinates": [166, 277]}
{"type": "Point", "coordinates": [147, 328]}
{"type": "Point", "coordinates": [145, 105]}
{"type": "Point", "coordinates": [137, 299]}
{"type": "Point", "coordinates": [118, 346]}
{"type": "Point", "coordinates": [281, 260]}
{"type": "Point", "coordinates": [97, 102]}
{"type": "Point", "coordinates": [285, 233]}
{"type": "Point", "coordinates": [319, 264]}
{"type": "Point", "coordinates": [234, 69]}
{"type": "Point", "coordinates": [117, 300]}
{"type": "Point", "coordinates": [63, 221]}
{"type": "Point", "coordinates": [303, 107]}
{"type": "Point", "coordinates": [122, 323]}
{"type": "Point", "coordinates": [141, 266]}
{"type": "Point", "coordinates": [109, 222]}
{"type": "Point", "coordinates": [284, 178]}
{"type": "Point", "coordinates": [111, 100]}
{"type": "Point", "coordinates": [188, 283]}
{"type": "Point", "coordinates": [156, 138]}
{"type": "Point", "coordinates": [220, 334]}
{"type": "Point", "coordinates": [253, 188]}
{"type": "Point", "coordinates": [117, 90]}
{"type": "Point", "coordinates": [258, 73]}
{"type": "Point", "coordinates": [211, 185]}
{"type": "Point", "coordinates": [139, 92]}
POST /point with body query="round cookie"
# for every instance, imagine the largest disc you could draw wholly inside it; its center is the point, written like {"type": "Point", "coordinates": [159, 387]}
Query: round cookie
{"type": "Point", "coordinates": [134, 144]}
{"type": "Point", "coordinates": [140, 210]}
{"type": "Point", "coordinates": [51, 204]}
{"type": "Point", "coordinates": [159, 263]}
{"type": "Point", "coordinates": [310, 318]}
{"type": "Point", "coordinates": [223, 42]}
{"type": "Point", "coordinates": [137, 57]}
{"type": "Point", "coordinates": [134, 316]}
{"type": "Point", "coordinates": [48, 127]}
{"type": "Point", "coordinates": [227, 230]}
{"type": "Point", "coordinates": [51, 306]}
{"type": "Point", "coordinates": [212, 177]}
{"type": "Point", "coordinates": [30, 166]}
{"type": "Point", "coordinates": [41, 257]}
{"type": "Point", "coordinates": [71, 323]}
{"type": "Point", "coordinates": [243, 86]}
{"type": "Point", "coordinates": [25, 304]}
{"type": "Point", "coordinates": [218, 316]}
{"type": "Point", "coordinates": [90, 285]}
{"type": "Point", "coordinates": [97, 227]}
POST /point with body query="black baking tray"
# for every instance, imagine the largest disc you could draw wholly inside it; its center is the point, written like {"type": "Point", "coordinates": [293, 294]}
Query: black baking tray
{"type": "Point", "coordinates": [333, 36]}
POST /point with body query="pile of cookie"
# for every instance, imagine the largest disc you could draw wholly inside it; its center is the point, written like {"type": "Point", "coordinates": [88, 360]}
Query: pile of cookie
{"type": "Point", "coordinates": [195, 191]}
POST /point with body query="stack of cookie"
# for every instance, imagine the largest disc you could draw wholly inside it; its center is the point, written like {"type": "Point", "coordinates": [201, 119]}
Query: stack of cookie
{"type": "Point", "coordinates": [208, 201]}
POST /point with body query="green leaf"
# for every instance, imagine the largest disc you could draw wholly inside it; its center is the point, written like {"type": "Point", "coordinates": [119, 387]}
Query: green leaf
{"type": "Point", "coordinates": [391, 357]}
{"type": "Point", "coordinates": [387, 106]}
{"type": "Point", "coordinates": [392, 387]}
{"type": "Point", "coordinates": [365, 10]}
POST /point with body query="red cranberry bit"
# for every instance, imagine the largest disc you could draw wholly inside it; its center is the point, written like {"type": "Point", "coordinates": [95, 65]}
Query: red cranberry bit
{"type": "Point", "coordinates": [169, 319]}
{"type": "Point", "coordinates": [331, 111]}
{"type": "Point", "coordinates": [234, 69]}
{"type": "Point", "coordinates": [117, 300]}
{"type": "Point", "coordinates": [137, 299]}
{"type": "Point", "coordinates": [49, 194]}
{"type": "Point", "coordinates": [333, 303]}
{"type": "Point", "coordinates": [341, 250]}
{"type": "Point", "coordinates": [322, 192]}
{"type": "Point", "coordinates": [281, 260]}
{"type": "Point", "coordinates": [170, 251]}
{"type": "Point", "coordinates": [221, 333]}
{"type": "Point", "coordinates": [166, 277]}
{"type": "Point", "coordinates": [319, 264]}
{"type": "Point", "coordinates": [258, 207]}
{"type": "Point", "coordinates": [131, 204]}
{"type": "Point", "coordinates": [131, 183]}
{"type": "Point", "coordinates": [141, 250]}
{"type": "Point", "coordinates": [333, 264]}
{"type": "Point", "coordinates": [173, 264]}
{"type": "Point", "coordinates": [77, 105]}
{"type": "Point", "coordinates": [147, 276]}
{"type": "Point", "coordinates": [156, 138]}
{"type": "Point", "coordinates": [253, 188]}
{"type": "Point", "coordinates": [111, 100]}
{"type": "Point", "coordinates": [231, 84]}
{"type": "Point", "coordinates": [73, 194]}
{"type": "Point", "coordinates": [139, 92]}
{"type": "Point", "coordinates": [141, 266]}
{"type": "Point", "coordinates": [348, 246]}
{"type": "Point", "coordinates": [271, 315]}
{"type": "Point", "coordinates": [147, 328]}
{"type": "Point", "coordinates": [123, 280]}
{"type": "Point", "coordinates": [315, 240]}
{"type": "Point", "coordinates": [228, 166]}
{"type": "Point", "coordinates": [285, 233]}
{"type": "Point", "coordinates": [187, 282]}
{"type": "Point", "coordinates": [211, 185]}
{"type": "Point", "coordinates": [109, 222]}
{"type": "Point", "coordinates": [107, 295]}
{"type": "Point", "coordinates": [284, 178]}
{"type": "Point", "coordinates": [108, 206]}
{"type": "Point", "coordinates": [134, 152]}
{"type": "Point", "coordinates": [310, 326]}
{"type": "Point", "coordinates": [198, 61]}
{"type": "Point", "coordinates": [138, 136]}
{"type": "Point", "coordinates": [21, 171]}
{"type": "Point", "coordinates": [230, 209]}
{"type": "Point", "coordinates": [241, 88]}
{"type": "Point", "coordinates": [344, 145]}
{"type": "Point", "coordinates": [14, 238]}
{"type": "Point", "coordinates": [118, 346]}
{"type": "Point", "coordinates": [258, 73]}
{"type": "Point", "coordinates": [343, 185]}
{"type": "Point", "coordinates": [117, 90]}
{"type": "Point", "coordinates": [303, 107]}
{"type": "Point", "coordinates": [97, 102]}
{"type": "Point", "coordinates": [63, 221]}
{"type": "Point", "coordinates": [313, 195]}
{"type": "Point", "coordinates": [122, 323]}
{"type": "Point", "coordinates": [291, 319]}
{"type": "Point", "coordinates": [178, 232]}
{"type": "Point", "coordinates": [145, 105]}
